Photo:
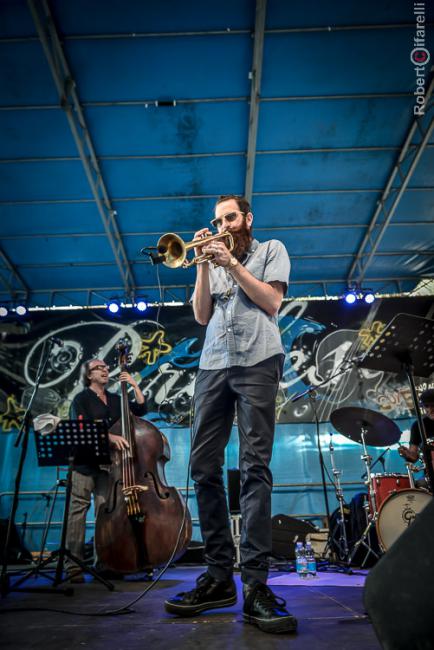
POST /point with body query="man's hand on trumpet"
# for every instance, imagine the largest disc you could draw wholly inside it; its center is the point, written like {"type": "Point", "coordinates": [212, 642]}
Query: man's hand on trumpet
{"type": "Point", "coordinates": [200, 234]}
{"type": "Point", "coordinates": [219, 251]}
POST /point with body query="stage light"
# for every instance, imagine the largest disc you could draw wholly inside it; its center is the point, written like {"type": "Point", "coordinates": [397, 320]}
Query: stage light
{"type": "Point", "coordinates": [21, 310]}
{"type": "Point", "coordinates": [369, 297]}
{"type": "Point", "coordinates": [141, 305]}
{"type": "Point", "coordinates": [113, 307]}
{"type": "Point", "coordinates": [350, 297]}
{"type": "Point", "coordinates": [3, 311]}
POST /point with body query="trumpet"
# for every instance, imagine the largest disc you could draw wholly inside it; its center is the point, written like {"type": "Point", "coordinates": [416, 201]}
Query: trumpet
{"type": "Point", "coordinates": [175, 250]}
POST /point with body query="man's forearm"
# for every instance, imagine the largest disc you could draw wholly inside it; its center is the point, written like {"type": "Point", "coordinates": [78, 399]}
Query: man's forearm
{"type": "Point", "coordinates": [264, 295]}
{"type": "Point", "coordinates": [140, 398]}
{"type": "Point", "coordinates": [202, 300]}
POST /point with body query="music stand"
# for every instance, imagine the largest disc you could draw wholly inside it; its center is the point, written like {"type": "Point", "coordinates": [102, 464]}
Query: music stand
{"type": "Point", "coordinates": [406, 343]}
{"type": "Point", "coordinates": [73, 442]}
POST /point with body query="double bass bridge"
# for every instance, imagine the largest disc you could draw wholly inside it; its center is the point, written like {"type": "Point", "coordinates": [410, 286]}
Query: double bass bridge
{"type": "Point", "coordinates": [131, 496]}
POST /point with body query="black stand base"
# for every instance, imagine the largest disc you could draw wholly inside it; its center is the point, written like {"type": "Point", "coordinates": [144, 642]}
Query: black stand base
{"type": "Point", "coordinates": [57, 579]}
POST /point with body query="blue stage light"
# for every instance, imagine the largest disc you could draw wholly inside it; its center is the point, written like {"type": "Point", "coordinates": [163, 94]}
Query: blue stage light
{"type": "Point", "coordinates": [141, 305]}
{"type": "Point", "coordinates": [369, 297]}
{"type": "Point", "coordinates": [113, 307]}
{"type": "Point", "coordinates": [21, 310]}
{"type": "Point", "coordinates": [3, 311]}
{"type": "Point", "coordinates": [350, 298]}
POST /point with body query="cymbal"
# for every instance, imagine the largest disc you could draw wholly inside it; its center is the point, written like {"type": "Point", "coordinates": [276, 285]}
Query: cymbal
{"type": "Point", "coordinates": [379, 430]}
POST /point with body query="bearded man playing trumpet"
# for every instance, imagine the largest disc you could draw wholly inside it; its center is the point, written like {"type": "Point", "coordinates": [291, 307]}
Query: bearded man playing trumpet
{"type": "Point", "coordinates": [237, 295]}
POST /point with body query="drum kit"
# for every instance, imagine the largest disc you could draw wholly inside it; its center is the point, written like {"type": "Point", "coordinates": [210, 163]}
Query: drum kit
{"type": "Point", "coordinates": [392, 502]}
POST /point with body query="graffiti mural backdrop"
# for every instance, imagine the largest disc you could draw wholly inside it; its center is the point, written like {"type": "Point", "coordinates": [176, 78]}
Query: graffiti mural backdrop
{"type": "Point", "coordinates": [320, 338]}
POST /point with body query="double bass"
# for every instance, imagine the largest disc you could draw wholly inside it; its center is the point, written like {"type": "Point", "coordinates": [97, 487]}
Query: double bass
{"type": "Point", "coordinates": [144, 522]}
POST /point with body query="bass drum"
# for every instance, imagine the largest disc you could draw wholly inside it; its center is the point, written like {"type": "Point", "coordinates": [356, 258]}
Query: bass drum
{"type": "Point", "coordinates": [398, 512]}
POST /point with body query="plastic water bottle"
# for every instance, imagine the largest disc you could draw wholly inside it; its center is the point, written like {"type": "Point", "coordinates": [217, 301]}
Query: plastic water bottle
{"type": "Point", "coordinates": [310, 559]}
{"type": "Point", "coordinates": [300, 560]}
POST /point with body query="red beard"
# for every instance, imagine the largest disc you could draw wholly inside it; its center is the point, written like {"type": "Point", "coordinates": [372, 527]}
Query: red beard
{"type": "Point", "coordinates": [242, 240]}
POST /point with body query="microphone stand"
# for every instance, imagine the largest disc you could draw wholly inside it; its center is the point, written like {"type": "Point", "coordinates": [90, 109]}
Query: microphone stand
{"type": "Point", "coordinates": [380, 459]}
{"type": "Point", "coordinates": [312, 400]}
{"type": "Point", "coordinates": [23, 439]}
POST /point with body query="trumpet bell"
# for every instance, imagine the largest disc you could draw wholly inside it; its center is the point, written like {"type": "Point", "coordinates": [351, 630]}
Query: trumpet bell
{"type": "Point", "coordinates": [174, 250]}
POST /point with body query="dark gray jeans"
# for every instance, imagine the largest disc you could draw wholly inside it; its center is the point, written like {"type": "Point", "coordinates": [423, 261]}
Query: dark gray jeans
{"type": "Point", "coordinates": [252, 391]}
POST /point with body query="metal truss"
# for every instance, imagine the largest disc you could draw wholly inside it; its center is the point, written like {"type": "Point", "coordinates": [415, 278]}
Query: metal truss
{"type": "Point", "coordinates": [183, 292]}
{"type": "Point", "coordinates": [11, 279]}
{"type": "Point", "coordinates": [217, 32]}
{"type": "Point", "coordinates": [214, 154]}
{"type": "Point", "coordinates": [317, 256]}
{"type": "Point", "coordinates": [148, 103]}
{"type": "Point", "coordinates": [255, 91]}
{"type": "Point", "coordinates": [395, 187]}
{"type": "Point", "coordinates": [67, 90]}
{"type": "Point", "coordinates": [277, 229]}
{"type": "Point", "coordinates": [199, 197]}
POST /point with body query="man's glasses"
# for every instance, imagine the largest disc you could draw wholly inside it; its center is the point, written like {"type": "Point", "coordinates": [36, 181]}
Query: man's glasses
{"type": "Point", "coordinates": [218, 221]}
{"type": "Point", "coordinates": [101, 367]}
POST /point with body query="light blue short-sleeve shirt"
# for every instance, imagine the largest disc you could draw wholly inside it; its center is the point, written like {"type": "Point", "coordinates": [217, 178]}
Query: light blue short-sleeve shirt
{"type": "Point", "coordinates": [240, 333]}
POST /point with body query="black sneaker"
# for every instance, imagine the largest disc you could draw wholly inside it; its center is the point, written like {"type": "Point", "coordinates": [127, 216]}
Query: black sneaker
{"type": "Point", "coordinates": [267, 611]}
{"type": "Point", "coordinates": [208, 594]}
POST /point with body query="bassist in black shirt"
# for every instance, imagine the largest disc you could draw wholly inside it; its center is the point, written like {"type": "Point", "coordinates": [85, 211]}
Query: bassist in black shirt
{"type": "Point", "coordinates": [94, 403]}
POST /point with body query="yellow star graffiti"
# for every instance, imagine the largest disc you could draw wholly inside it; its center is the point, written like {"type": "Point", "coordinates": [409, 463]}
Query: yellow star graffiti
{"type": "Point", "coordinates": [12, 417]}
{"type": "Point", "coordinates": [153, 347]}
{"type": "Point", "coordinates": [369, 334]}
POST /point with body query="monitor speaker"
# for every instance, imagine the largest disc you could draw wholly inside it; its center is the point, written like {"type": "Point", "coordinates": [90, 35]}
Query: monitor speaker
{"type": "Point", "coordinates": [399, 591]}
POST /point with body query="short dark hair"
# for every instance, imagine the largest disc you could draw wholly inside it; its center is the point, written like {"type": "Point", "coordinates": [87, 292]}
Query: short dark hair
{"type": "Point", "coordinates": [84, 372]}
{"type": "Point", "coordinates": [427, 397]}
{"type": "Point", "coordinates": [242, 202]}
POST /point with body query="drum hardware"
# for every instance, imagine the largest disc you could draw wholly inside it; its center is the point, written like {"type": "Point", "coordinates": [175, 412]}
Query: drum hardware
{"type": "Point", "coordinates": [411, 469]}
{"type": "Point", "coordinates": [379, 459]}
{"type": "Point", "coordinates": [393, 500]}
{"type": "Point", "coordinates": [311, 393]}
{"type": "Point", "coordinates": [342, 540]}
{"type": "Point", "coordinates": [367, 428]}
{"type": "Point", "coordinates": [370, 511]}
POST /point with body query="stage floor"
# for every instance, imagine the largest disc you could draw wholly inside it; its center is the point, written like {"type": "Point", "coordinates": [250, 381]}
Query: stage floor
{"type": "Point", "coordinates": [329, 610]}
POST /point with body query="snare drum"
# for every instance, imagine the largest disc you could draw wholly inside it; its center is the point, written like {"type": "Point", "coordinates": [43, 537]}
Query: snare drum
{"type": "Point", "coordinates": [384, 485]}
{"type": "Point", "coordinates": [397, 513]}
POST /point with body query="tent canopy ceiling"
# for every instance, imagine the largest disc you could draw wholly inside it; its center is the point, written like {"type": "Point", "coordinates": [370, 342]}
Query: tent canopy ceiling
{"type": "Point", "coordinates": [164, 90]}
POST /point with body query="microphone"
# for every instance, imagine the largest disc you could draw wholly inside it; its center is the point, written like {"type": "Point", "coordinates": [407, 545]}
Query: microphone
{"type": "Point", "coordinates": [156, 258]}
{"type": "Point", "coordinates": [57, 341]}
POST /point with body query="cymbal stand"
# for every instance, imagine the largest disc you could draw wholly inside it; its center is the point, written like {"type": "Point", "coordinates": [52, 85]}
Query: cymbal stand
{"type": "Point", "coordinates": [370, 507]}
{"type": "Point", "coordinates": [342, 543]}
{"type": "Point", "coordinates": [410, 469]}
